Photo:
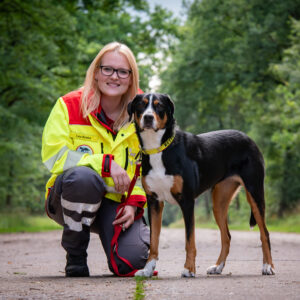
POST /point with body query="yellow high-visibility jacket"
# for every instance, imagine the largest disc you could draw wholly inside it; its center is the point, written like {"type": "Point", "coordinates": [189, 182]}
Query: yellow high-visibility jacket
{"type": "Point", "coordinates": [69, 140]}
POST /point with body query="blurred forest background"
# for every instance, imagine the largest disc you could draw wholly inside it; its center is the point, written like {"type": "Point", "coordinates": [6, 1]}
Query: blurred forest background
{"type": "Point", "coordinates": [226, 64]}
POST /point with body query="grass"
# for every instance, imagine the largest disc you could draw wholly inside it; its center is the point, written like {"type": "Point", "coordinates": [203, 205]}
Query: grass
{"type": "Point", "coordinates": [289, 224]}
{"type": "Point", "coordinates": [23, 222]}
{"type": "Point", "coordinates": [238, 218]}
{"type": "Point", "coordinates": [140, 288]}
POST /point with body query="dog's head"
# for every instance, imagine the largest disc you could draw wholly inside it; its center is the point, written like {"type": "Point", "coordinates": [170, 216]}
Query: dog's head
{"type": "Point", "coordinates": [152, 111]}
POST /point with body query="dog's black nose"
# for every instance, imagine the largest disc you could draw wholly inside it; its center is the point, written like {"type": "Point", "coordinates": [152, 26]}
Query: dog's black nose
{"type": "Point", "coordinates": [148, 119]}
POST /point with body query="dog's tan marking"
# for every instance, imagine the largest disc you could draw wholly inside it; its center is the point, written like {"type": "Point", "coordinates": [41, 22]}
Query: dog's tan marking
{"type": "Point", "coordinates": [145, 186]}
{"type": "Point", "coordinates": [177, 186]}
{"type": "Point", "coordinates": [161, 123]}
{"type": "Point", "coordinates": [145, 100]}
{"type": "Point", "coordinates": [190, 248]}
{"type": "Point", "coordinates": [156, 101]}
{"type": "Point", "coordinates": [222, 195]}
{"type": "Point", "coordinates": [260, 220]}
{"type": "Point", "coordinates": [264, 234]}
{"type": "Point", "coordinates": [155, 228]}
{"type": "Point", "coordinates": [137, 120]}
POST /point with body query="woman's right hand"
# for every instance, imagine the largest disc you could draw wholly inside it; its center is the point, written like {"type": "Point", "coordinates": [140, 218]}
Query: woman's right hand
{"type": "Point", "coordinates": [120, 177]}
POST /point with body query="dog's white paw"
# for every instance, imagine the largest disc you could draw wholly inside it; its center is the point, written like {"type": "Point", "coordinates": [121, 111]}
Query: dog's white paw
{"type": "Point", "coordinates": [187, 274]}
{"type": "Point", "coordinates": [216, 269]}
{"type": "Point", "coordinates": [148, 269]}
{"type": "Point", "coordinates": [267, 270]}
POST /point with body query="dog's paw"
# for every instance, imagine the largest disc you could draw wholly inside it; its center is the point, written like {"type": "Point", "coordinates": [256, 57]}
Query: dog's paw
{"type": "Point", "coordinates": [187, 274]}
{"type": "Point", "coordinates": [148, 269]}
{"type": "Point", "coordinates": [216, 269]}
{"type": "Point", "coordinates": [142, 273]}
{"type": "Point", "coordinates": [267, 270]}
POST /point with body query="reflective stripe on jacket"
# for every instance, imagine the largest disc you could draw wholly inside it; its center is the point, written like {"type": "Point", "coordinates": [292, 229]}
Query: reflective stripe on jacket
{"type": "Point", "coordinates": [69, 140]}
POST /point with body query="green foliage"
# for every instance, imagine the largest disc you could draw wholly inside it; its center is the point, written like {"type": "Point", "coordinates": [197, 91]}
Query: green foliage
{"type": "Point", "coordinates": [237, 66]}
{"type": "Point", "coordinates": [45, 50]}
{"type": "Point", "coordinates": [33, 47]}
{"type": "Point", "coordinates": [283, 123]}
{"type": "Point", "coordinates": [234, 64]}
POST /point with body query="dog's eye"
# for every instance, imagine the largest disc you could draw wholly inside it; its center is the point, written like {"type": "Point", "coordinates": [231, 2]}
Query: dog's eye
{"type": "Point", "coordinates": [140, 105]}
{"type": "Point", "coordinates": [159, 106]}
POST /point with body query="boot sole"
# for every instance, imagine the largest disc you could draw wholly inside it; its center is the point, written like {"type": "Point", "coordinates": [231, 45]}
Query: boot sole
{"type": "Point", "coordinates": [77, 271]}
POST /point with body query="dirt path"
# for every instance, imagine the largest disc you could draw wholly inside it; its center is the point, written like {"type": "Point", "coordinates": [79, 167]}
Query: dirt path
{"type": "Point", "coordinates": [32, 267]}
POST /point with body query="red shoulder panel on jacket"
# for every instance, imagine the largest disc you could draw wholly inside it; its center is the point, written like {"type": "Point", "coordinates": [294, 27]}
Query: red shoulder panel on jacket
{"type": "Point", "coordinates": [72, 101]}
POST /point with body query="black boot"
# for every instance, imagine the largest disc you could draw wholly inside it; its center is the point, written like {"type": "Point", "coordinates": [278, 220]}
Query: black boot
{"type": "Point", "coordinates": [76, 266]}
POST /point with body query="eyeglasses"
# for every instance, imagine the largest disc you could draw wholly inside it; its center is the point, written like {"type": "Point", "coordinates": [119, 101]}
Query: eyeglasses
{"type": "Point", "coordinates": [108, 71]}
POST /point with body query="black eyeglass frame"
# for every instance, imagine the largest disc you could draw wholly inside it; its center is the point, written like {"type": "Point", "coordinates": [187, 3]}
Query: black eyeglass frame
{"type": "Point", "coordinates": [115, 70]}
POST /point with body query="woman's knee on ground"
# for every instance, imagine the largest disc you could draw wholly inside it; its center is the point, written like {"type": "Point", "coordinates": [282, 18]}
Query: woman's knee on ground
{"type": "Point", "coordinates": [136, 255]}
{"type": "Point", "coordinates": [134, 246]}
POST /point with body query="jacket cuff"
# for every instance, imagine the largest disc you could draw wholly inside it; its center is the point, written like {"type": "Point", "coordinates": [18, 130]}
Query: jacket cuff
{"type": "Point", "coordinates": [139, 202]}
{"type": "Point", "coordinates": [136, 200]}
{"type": "Point", "coordinates": [106, 164]}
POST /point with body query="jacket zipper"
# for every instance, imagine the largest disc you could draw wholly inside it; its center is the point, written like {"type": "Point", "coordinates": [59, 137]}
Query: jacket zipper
{"type": "Point", "coordinates": [126, 161]}
{"type": "Point", "coordinates": [102, 148]}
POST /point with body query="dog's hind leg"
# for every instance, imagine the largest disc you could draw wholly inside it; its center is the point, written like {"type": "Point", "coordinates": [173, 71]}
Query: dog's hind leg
{"type": "Point", "coordinates": [268, 267]}
{"type": "Point", "coordinates": [155, 210]}
{"type": "Point", "coordinates": [190, 245]}
{"type": "Point", "coordinates": [222, 194]}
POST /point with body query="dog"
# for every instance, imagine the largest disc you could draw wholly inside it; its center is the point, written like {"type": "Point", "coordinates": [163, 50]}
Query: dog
{"type": "Point", "coordinates": [178, 166]}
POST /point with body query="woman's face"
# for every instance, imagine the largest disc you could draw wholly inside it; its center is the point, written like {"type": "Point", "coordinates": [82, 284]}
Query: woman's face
{"type": "Point", "coordinates": [112, 85]}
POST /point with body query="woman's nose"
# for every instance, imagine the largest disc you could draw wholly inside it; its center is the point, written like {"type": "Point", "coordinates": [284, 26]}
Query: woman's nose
{"type": "Point", "coordinates": [114, 75]}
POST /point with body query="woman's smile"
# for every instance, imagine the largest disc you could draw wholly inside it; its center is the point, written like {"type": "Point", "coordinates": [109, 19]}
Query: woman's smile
{"type": "Point", "coordinates": [112, 85]}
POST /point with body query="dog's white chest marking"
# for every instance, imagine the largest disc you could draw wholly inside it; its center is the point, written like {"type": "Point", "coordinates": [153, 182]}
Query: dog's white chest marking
{"type": "Point", "coordinates": [157, 180]}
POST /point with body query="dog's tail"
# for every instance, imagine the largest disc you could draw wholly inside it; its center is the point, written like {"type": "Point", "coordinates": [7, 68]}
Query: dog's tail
{"type": "Point", "coordinates": [252, 220]}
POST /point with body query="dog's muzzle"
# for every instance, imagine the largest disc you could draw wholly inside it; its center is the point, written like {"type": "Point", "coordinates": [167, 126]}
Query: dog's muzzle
{"type": "Point", "coordinates": [148, 121]}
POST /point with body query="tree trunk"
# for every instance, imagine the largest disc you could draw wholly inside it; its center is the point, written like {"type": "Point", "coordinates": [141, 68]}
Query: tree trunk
{"type": "Point", "coordinates": [207, 204]}
{"type": "Point", "coordinates": [8, 200]}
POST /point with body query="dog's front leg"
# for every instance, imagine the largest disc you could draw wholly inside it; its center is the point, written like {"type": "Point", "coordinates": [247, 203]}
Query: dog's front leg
{"type": "Point", "coordinates": [190, 245]}
{"type": "Point", "coordinates": [155, 210]}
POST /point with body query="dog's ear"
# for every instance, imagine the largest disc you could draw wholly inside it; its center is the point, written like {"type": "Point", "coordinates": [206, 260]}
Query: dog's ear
{"type": "Point", "coordinates": [170, 103]}
{"type": "Point", "coordinates": [131, 105]}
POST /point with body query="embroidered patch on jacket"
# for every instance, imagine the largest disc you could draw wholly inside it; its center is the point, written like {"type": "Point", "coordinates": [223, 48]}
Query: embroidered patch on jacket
{"type": "Point", "coordinates": [84, 149]}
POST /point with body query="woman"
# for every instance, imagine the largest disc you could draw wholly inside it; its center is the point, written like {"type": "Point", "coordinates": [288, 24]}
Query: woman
{"type": "Point", "coordinates": [88, 145]}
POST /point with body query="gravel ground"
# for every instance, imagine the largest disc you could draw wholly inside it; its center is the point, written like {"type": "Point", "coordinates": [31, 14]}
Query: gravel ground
{"type": "Point", "coordinates": [32, 267]}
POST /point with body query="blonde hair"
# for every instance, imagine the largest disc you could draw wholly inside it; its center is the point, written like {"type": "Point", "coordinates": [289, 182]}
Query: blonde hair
{"type": "Point", "coordinates": [90, 98]}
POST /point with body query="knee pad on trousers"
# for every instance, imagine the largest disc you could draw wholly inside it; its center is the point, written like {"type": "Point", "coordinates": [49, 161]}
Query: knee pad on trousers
{"type": "Point", "coordinates": [82, 183]}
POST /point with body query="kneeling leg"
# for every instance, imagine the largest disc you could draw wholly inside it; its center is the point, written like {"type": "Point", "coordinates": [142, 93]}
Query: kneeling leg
{"type": "Point", "coordinates": [133, 243]}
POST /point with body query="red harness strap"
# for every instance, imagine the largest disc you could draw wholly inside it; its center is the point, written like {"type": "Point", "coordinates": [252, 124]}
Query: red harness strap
{"type": "Point", "coordinates": [118, 230]}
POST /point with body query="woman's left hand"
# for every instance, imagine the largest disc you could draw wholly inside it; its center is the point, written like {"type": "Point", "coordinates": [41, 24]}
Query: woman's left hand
{"type": "Point", "coordinates": [127, 217]}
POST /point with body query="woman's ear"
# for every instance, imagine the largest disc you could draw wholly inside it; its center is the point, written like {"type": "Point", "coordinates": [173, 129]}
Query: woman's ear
{"type": "Point", "coordinates": [96, 76]}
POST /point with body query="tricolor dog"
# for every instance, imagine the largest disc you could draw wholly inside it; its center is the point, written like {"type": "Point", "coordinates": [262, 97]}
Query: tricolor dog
{"type": "Point", "coordinates": [178, 166]}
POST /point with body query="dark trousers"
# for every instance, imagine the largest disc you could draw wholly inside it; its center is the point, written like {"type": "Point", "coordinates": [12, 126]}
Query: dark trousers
{"type": "Point", "coordinates": [77, 202]}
